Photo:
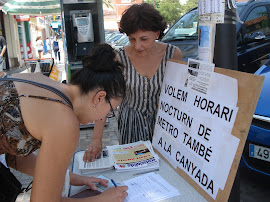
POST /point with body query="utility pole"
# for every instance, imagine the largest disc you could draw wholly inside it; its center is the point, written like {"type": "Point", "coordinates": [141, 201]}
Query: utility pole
{"type": "Point", "coordinates": [154, 3]}
{"type": "Point", "coordinates": [225, 56]}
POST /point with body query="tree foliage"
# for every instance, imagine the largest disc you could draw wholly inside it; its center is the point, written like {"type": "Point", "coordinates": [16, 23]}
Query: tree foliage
{"type": "Point", "coordinates": [172, 10]}
{"type": "Point", "coordinates": [189, 5]}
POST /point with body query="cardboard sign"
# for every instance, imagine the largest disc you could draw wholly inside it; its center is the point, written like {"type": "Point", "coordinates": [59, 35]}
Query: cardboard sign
{"type": "Point", "coordinates": [202, 133]}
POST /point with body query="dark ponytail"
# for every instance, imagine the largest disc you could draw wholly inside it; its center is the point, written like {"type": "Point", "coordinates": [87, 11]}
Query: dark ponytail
{"type": "Point", "coordinates": [101, 70]}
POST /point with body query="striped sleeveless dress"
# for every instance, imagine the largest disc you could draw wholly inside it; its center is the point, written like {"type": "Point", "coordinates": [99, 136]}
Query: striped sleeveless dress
{"type": "Point", "coordinates": [138, 110]}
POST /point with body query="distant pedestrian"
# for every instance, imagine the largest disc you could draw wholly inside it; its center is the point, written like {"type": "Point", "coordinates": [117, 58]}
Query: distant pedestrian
{"type": "Point", "coordinates": [56, 49]}
{"type": "Point", "coordinates": [40, 46]}
{"type": "Point", "coordinates": [48, 44]}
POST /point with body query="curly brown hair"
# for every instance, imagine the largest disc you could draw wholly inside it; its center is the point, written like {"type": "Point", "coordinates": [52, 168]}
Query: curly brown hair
{"type": "Point", "coordinates": [142, 17]}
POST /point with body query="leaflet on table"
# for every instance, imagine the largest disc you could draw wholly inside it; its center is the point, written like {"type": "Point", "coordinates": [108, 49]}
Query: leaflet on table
{"type": "Point", "coordinates": [103, 162]}
{"type": "Point", "coordinates": [131, 156]}
{"type": "Point", "coordinates": [146, 164]}
{"type": "Point", "coordinates": [138, 154]}
{"type": "Point", "coordinates": [129, 153]}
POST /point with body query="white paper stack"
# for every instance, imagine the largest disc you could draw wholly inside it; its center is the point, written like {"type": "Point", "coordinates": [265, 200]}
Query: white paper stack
{"type": "Point", "coordinates": [103, 162]}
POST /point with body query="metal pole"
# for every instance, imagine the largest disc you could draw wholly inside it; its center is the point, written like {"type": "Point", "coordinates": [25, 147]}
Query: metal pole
{"type": "Point", "coordinates": [225, 56]}
{"type": "Point", "coordinates": [24, 41]}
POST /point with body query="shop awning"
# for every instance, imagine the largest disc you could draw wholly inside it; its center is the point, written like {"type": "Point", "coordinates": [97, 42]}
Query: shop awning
{"type": "Point", "coordinates": [32, 7]}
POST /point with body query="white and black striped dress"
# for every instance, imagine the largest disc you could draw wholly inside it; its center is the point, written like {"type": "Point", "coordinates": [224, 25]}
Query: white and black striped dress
{"type": "Point", "coordinates": [139, 108]}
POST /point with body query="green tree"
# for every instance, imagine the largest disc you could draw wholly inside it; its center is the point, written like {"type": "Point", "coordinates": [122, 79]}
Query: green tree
{"type": "Point", "coordinates": [170, 9]}
{"type": "Point", "coordinates": [189, 5]}
{"type": "Point", "coordinates": [155, 3]}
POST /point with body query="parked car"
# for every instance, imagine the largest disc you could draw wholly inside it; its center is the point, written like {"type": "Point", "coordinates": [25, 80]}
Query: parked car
{"type": "Point", "coordinates": [118, 40]}
{"type": "Point", "coordinates": [113, 38]}
{"type": "Point", "coordinates": [110, 34]}
{"type": "Point", "coordinates": [256, 154]}
{"type": "Point", "coordinates": [253, 35]}
{"type": "Point", "coordinates": [121, 43]}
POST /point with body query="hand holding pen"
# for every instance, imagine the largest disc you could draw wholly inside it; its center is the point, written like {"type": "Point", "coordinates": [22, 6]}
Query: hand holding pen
{"type": "Point", "coordinates": [117, 193]}
{"type": "Point", "coordinates": [114, 183]}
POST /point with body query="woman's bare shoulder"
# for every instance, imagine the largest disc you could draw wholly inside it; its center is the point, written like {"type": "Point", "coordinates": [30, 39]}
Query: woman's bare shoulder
{"type": "Point", "coordinates": [161, 46]}
{"type": "Point", "coordinates": [50, 119]}
{"type": "Point", "coordinates": [177, 54]}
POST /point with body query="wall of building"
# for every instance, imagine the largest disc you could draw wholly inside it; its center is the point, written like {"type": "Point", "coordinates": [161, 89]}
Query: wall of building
{"type": "Point", "coordinates": [12, 41]}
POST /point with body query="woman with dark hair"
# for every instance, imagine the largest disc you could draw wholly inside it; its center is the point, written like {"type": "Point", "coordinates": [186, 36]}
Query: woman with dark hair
{"type": "Point", "coordinates": [144, 61]}
{"type": "Point", "coordinates": [39, 113]}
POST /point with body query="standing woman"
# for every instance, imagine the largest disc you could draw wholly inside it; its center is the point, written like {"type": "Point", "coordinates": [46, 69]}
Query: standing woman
{"type": "Point", "coordinates": [39, 113]}
{"type": "Point", "coordinates": [144, 61]}
{"type": "Point", "coordinates": [40, 46]}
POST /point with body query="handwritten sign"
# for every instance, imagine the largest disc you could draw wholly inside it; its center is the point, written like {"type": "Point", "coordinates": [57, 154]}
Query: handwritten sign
{"type": "Point", "coordinates": [193, 128]}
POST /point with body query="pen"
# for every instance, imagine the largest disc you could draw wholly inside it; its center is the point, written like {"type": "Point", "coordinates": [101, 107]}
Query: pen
{"type": "Point", "coordinates": [114, 183]}
{"type": "Point", "coordinates": [146, 171]}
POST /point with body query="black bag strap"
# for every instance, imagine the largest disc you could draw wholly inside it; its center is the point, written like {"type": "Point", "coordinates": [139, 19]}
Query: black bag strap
{"type": "Point", "coordinates": [41, 85]}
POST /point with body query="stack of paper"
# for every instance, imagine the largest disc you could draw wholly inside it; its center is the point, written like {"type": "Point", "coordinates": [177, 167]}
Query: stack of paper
{"type": "Point", "coordinates": [134, 156]}
{"type": "Point", "coordinates": [103, 162]}
{"type": "Point", "coordinates": [149, 187]}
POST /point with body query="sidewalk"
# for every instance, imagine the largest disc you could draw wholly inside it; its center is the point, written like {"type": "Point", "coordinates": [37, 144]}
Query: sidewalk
{"type": "Point", "coordinates": [24, 69]}
{"type": "Point", "coordinates": [15, 70]}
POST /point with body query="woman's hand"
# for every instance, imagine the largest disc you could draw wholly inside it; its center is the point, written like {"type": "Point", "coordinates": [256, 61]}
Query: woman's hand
{"type": "Point", "coordinates": [79, 180]}
{"type": "Point", "coordinates": [94, 150]}
{"type": "Point", "coordinates": [114, 194]}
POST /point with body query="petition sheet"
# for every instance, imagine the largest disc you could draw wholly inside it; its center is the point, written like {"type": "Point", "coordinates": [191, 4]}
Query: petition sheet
{"type": "Point", "coordinates": [148, 188]}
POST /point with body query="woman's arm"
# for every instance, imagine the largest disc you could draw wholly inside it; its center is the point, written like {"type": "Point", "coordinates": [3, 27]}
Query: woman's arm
{"type": "Point", "coordinates": [59, 142]}
{"type": "Point", "coordinates": [53, 158]}
{"type": "Point", "coordinates": [23, 164]}
{"type": "Point", "coordinates": [177, 54]}
{"type": "Point", "coordinates": [95, 148]}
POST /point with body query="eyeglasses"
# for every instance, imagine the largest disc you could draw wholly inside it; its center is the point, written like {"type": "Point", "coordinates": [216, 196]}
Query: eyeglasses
{"type": "Point", "coordinates": [111, 112]}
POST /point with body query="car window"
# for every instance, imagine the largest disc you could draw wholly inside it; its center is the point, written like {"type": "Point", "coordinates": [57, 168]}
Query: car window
{"type": "Point", "coordinates": [185, 28]}
{"type": "Point", "coordinates": [258, 20]}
